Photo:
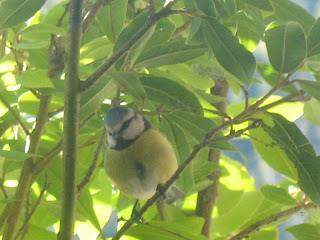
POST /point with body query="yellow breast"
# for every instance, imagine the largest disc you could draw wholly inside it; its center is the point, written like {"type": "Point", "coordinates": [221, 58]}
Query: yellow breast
{"type": "Point", "coordinates": [139, 168]}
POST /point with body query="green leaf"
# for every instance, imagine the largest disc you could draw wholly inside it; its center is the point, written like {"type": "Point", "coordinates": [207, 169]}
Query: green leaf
{"type": "Point", "coordinates": [238, 215]}
{"type": "Point", "coordinates": [42, 28]}
{"type": "Point", "coordinates": [38, 58]}
{"type": "Point", "coordinates": [262, 4]}
{"type": "Point", "coordinates": [179, 141]}
{"type": "Point", "coordinates": [231, 55]}
{"type": "Point", "coordinates": [286, 46]}
{"type": "Point", "coordinates": [169, 53]}
{"type": "Point", "coordinates": [13, 12]}
{"type": "Point", "coordinates": [197, 126]}
{"type": "Point", "coordinates": [35, 233]}
{"type": "Point", "coordinates": [131, 29]}
{"type": "Point", "coordinates": [163, 91]}
{"type": "Point", "coordinates": [31, 44]}
{"type": "Point", "coordinates": [186, 75]}
{"type": "Point", "coordinates": [305, 231]}
{"type": "Point", "coordinates": [313, 39]}
{"type": "Point", "coordinates": [95, 50]}
{"type": "Point", "coordinates": [250, 28]}
{"type": "Point", "coordinates": [36, 78]}
{"type": "Point", "coordinates": [286, 10]}
{"type": "Point", "coordinates": [15, 155]}
{"type": "Point", "coordinates": [235, 176]}
{"type": "Point", "coordinates": [85, 208]}
{"type": "Point", "coordinates": [92, 99]}
{"type": "Point", "coordinates": [131, 85]}
{"type": "Point", "coordinates": [225, 8]}
{"type": "Point", "coordinates": [311, 111]}
{"type": "Point", "coordinates": [207, 6]}
{"type": "Point", "coordinates": [196, 35]}
{"type": "Point", "coordinates": [136, 50]}
{"type": "Point", "coordinates": [127, 33]}
{"type": "Point", "coordinates": [300, 152]}
{"type": "Point", "coordinates": [272, 155]}
{"type": "Point", "coordinates": [277, 194]}
{"type": "Point", "coordinates": [112, 17]}
{"type": "Point", "coordinates": [270, 234]}
{"type": "Point", "coordinates": [164, 30]}
{"type": "Point", "coordinates": [311, 87]}
{"type": "Point", "coordinates": [186, 227]}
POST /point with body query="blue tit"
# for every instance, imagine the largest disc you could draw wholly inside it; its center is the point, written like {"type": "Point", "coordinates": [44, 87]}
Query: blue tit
{"type": "Point", "coordinates": [138, 157]}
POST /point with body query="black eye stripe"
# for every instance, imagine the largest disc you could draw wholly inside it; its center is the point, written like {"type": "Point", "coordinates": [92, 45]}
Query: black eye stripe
{"type": "Point", "coordinates": [126, 123]}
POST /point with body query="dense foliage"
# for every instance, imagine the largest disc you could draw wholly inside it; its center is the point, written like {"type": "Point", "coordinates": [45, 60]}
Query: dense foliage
{"type": "Point", "coordinates": [175, 63]}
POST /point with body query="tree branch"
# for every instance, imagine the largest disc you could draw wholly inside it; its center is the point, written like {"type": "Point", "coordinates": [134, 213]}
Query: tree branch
{"type": "Point", "coordinates": [208, 197]}
{"type": "Point", "coordinates": [84, 86]}
{"type": "Point", "coordinates": [269, 220]}
{"type": "Point", "coordinates": [13, 209]}
{"type": "Point", "coordinates": [71, 118]}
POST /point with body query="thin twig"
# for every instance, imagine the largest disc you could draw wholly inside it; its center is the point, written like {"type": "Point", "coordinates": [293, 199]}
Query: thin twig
{"type": "Point", "coordinates": [15, 115]}
{"type": "Point", "coordinates": [90, 15]}
{"type": "Point", "coordinates": [181, 29]}
{"type": "Point", "coordinates": [64, 14]}
{"type": "Point", "coordinates": [5, 195]}
{"type": "Point", "coordinates": [269, 220]}
{"type": "Point", "coordinates": [93, 164]}
{"type": "Point", "coordinates": [278, 86]}
{"type": "Point", "coordinates": [55, 112]}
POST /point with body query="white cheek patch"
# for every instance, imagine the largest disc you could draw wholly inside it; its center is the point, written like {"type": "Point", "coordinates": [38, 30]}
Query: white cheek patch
{"type": "Point", "coordinates": [135, 128]}
{"type": "Point", "coordinates": [111, 142]}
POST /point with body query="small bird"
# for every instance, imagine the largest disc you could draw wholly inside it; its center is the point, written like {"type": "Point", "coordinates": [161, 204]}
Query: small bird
{"type": "Point", "coordinates": [138, 157]}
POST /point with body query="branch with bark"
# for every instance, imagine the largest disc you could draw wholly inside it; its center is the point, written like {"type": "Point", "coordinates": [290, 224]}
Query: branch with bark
{"type": "Point", "coordinates": [71, 119]}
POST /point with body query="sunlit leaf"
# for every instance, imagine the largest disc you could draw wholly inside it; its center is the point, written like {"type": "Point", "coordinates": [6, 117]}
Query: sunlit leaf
{"type": "Point", "coordinates": [35, 79]}
{"type": "Point", "coordinates": [278, 195]}
{"type": "Point", "coordinates": [311, 111]}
